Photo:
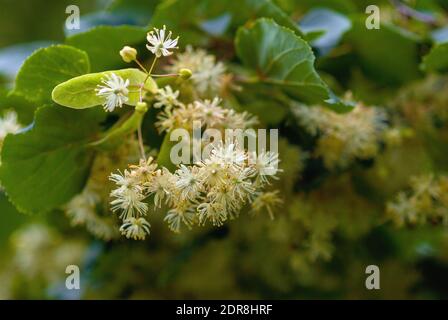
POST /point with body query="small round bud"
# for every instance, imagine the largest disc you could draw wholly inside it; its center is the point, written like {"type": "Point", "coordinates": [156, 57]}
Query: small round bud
{"type": "Point", "coordinates": [185, 74]}
{"type": "Point", "coordinates": [141, 107]}
{"type": "Point", "coordinates": [128, 54]}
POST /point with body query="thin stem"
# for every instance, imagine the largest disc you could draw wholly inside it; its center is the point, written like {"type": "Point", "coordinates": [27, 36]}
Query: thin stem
{"type": "Point", "coordinates": [139, 130]}
{"type": "Point", "coordinates": [152, 65]}
{"type": "Point", "coordinates": [141, 65]}
{"type": "Point", "coordinates": [148, 74]}
{"type": "Point", "coordinates": [165, 75]}
{"type": "Point", "coordinates": [146, 78]}
{"type": "Point", "coordinates": [140, 142]}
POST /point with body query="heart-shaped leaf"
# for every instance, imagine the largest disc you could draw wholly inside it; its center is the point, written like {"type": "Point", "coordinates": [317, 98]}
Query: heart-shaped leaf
{"type": "Point", "coordinates": [24, 108]}
{"type": "Point", "coordinates": [10, 220]}
{"type": "Point", "coordinates": [46, 68]}
{"type": "Point", "coordinates": [389, 54]}
{"type": "Point", "coordinates": [279, 57]}
{"type": "Point", "coordinates": [48, 163]}
{"type": "Point", "coordinates": [194, 18]}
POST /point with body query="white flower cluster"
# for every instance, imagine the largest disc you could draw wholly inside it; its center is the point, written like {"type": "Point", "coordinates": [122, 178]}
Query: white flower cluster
{"type": "Point", "coordinates": [40, 251]}
{"type": "Point", "coordinates": [425, 202]}
{"type": "Point", "coordinates": [90, 208]}
{"type": "Point", "coordinates": [166, 97]}
{"type": "Point", "coordinates": [82, 210]}
{"type": "Point", "coordinates": [209, 112]}
{"type": "Point", "coordinates": [214, 190]}
{"type": "Point", "coordinates": [114, 89]}
{"type": "Point", "coordinates": [343, 137]}
{"type": "Point", "coordinates": [208, 74]}
{"type": "Point", "coordinates": [267, 200]}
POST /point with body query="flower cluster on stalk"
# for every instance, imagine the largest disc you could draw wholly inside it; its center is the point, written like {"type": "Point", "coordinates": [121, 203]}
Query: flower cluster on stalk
{"type": "Point", "coordinates": [213, 190]}
{"type": "Point", "coordinates": [88, 208]}
{"type": "Point", "coordinates": [342, 138]}
{"type": "Point", "coordinates": [209, 112]}
{"type": "Point", "coordinates": [114, 90]}
{"type": "Point", "coordinates": [208, 74]}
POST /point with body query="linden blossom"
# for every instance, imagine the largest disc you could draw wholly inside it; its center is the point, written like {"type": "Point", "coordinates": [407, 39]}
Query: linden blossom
{"type": "Point", "coordinates": [212, 191]}
{"type": "Point", "coordinates": [202, 143]}
{"type": "Point", "coordinates": [184, 309]}
{"type": "Point", "coordinates": [225, 175]}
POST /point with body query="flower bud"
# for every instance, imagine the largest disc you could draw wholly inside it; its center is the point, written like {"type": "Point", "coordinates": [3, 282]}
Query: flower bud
{"type": "Point", "coordinates": [141, 107]}
{"type": "Point", "coordinates": [128, 54]}
{"type": "Point", "coordinates": [185, 74]}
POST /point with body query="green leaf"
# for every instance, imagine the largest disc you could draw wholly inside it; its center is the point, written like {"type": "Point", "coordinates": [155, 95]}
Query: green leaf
{"type": "Point", "coordinates": [46, 68]}
{"type": "Point", "coordinates": [104, 43]}
{"type": "Point", "coordinates": [10, 220]}
{"type": "Point", "coordinates": [263, 102]}
{"type": "Point", "coordinates": [164, 155]}
{"type": "Point", "coordinates": [253, 9]}
{"type": "Point", "coordinates": [138, 10]}
{"type": "Point", "coordinates": [389, 54]}
{"type": "Point", "coordinates": [48, 163]}
{"type": "Point", "coordinates": [23, 108]}
{"type": "Point", "coordinates": [126, 126]}
{"type": "Point", "coordinates": [12, 57]}
{"type": "Point", "coordinates": [79, 92]}
{"type": "Point", "coordinates": [193, 18]}
{"type": "Point", "coordinates": [436, 59]}
{"type": "Point", "coordinates": [281, 58]}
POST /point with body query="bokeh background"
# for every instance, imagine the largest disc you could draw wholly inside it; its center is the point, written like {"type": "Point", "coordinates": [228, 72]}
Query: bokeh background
{"type": "Point", "coordinates": [334, 222]}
